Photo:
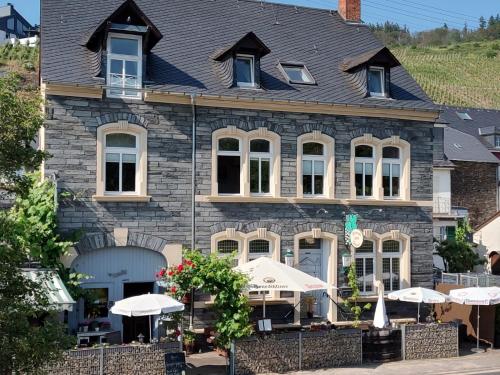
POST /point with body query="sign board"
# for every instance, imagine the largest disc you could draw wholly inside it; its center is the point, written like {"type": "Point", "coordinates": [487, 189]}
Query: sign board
{"type": "Point", "coordinates": [357, 238]}
{"type": "Point", "coordinates": [175, 363]}
{"type": "Point", "coordinates": [351, 223]}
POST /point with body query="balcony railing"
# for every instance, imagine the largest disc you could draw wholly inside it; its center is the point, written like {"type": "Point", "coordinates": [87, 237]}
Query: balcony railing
{"type": "Point", "coordinates": [442, 205]}
{"type": "Point", "coordinates": [471, 279]}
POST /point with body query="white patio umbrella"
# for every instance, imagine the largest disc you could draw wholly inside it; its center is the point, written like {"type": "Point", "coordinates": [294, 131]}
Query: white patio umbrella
{"type": "Point", "coordinates": [380, 320]}
{"type": "Point", "coordinates": [147, 305]}
{"type": "Point", "coordinates": [476, 296]}
{"type": "Point", "coordinates": [418, 295]}
{"type": "Point", "coordinates": [268, 275]}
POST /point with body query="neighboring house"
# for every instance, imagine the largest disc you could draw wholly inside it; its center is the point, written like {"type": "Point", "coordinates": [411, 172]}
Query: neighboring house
{"type": "Point", "coordinates": [487, 238]}
{"type": "Point", "coordinates": [12, 24]}
{"type": "Point", "coordinates": [472, 143]}
{"type": "Point", "coordinates": [234, 126]}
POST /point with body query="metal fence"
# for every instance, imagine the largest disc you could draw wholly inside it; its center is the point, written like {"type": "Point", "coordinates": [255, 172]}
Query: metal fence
{"type": "Point", "coordinates": [471, 279]}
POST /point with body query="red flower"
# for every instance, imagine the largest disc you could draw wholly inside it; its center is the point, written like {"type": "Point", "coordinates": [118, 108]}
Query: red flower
{"type": "Point", "coordinates": [173, 289]}
{"type": "Point", "coordinates": [180, 267]}
{"type": "Point", "coordinates": [189, 263]}
{"type": "Point", "coordinates": [162, 272]}
{"type": "Point", "coordinates": [170, 273]}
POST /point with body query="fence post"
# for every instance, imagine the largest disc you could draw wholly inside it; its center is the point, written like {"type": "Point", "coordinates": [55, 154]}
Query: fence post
{"type": "Point", "coordinates": [232, 358]}
{"type": "Point", "coordinates": [300, 351]}
{"type": "Point", "coordinates": [403, 341]}
{"type": "Point", "coordinates": [101, 361]}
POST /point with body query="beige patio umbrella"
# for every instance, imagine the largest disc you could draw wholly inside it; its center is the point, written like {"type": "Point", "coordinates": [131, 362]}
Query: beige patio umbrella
{"type": "Point", "coordinates": [268, 275]}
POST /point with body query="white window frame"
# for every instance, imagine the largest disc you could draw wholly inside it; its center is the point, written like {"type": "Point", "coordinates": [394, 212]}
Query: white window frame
{"type": "Point", "coordinates": [123, 58]}
{"type": "Point", "coordinates": [252, 71]}
{"type": "Point", "coordinates": [121, 151]}
{"type": "Point", "coordinates": [382, 78]}
{"type": "Point", "coordinates": [364, 161]}
{"type": "Point", "coordinates": [303, 69]}
{"type": "Point", "coordinates": [497, 141]}
{"type": "Point", "coordinates": [363, 257]}
{"type": "Point", "coordinates": [391, 162]}
{"type": "Point", "coordinates": [314, 159]}
{"type": "Point", "coordinates": [391, 256]}
{"type": "Point", "coordinates": [229, 153]}
{"type": "Point", "coordinates": [141, 135]}
{"type": "Point", "coordinates": [260, 156]}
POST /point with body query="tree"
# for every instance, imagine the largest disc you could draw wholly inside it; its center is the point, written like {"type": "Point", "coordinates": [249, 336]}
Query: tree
{"type": "Point", "coordinates": [482, 23]}
{"type": "Point", "coordinates": [20, 121]}
{"type": "Point", "coordinates": [458, 253]}
{"type": "Point", "coordinates": [214, 275]}
{"type": "Point", "coordinates": [30, 335]}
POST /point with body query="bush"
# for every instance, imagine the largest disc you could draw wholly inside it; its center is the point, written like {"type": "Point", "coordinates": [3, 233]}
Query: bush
{"type": "Point", "coordinates": [491, 54]}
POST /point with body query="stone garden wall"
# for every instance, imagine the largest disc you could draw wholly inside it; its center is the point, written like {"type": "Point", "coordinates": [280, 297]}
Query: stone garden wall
{"type": "Point", "coordinates": [120, 360]}
{"type": "Point", "coordinates": [427, 341]}
{"type": "Point", "coordinates": [296, 351]}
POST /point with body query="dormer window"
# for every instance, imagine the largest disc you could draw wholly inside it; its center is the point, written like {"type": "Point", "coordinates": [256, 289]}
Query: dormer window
{"type": "Point", "coordinates": [297, 73]}
{"type": "Point", "coordinates": [124, 66]}
{"type": "Point", "coordinates": [376, 81]}
{"type": "Point", "coordinates": [245, 70]}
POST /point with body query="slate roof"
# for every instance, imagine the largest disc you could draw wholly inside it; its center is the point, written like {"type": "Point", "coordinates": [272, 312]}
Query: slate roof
{"type": "Point", "coordinates": [481, 121]}
{"type": "Point", "coordinates": [193, 30]}
{"type": "Point", "coordinates": [460, 146]}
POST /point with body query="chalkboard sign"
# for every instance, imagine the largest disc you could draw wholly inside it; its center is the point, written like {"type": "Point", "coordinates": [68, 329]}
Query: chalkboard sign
{"type": "Point", "coordinates": [175, 363]}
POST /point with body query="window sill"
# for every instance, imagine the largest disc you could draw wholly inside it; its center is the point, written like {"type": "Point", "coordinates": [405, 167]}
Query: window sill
{"type": "Point", "coordinates": [295, 200]}
{"type": "Point", "coordinates": [121, 198]}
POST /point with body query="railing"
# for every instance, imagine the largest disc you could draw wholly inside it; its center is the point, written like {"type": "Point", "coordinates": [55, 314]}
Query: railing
{"type": "Point", "coordinates": [442, 205]}
{"type": "Point", "coordinates": [471, 279]}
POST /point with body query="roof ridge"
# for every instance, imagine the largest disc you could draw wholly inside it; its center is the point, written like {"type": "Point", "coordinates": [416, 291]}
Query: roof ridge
{"type": "Point", "coordinates": [470, 108]}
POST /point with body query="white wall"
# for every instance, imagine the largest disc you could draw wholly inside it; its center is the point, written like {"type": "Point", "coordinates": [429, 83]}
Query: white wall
{"type": "Point", "coordinates": [111, 268]}
{"type": "Point", "coordinates": [442, 190]}
{"type": "Point", "coordinates": [488, 238]}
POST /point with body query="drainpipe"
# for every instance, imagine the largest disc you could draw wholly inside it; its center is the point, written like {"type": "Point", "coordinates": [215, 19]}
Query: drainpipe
{"type": "Point", "coordinates": [193, 198]}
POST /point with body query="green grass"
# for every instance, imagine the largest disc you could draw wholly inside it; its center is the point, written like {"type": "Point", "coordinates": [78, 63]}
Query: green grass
{"type": "Point", "coordinates": [465, 74]}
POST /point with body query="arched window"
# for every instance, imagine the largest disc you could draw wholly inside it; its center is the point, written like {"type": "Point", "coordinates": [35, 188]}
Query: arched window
{"type": "Point", "coordinates": [260, 166]}
{"type": "Point", "coordinates": [228, 165]}
{"type": "Point", "coordinates": [228, 248]}
{"type": "Point", "coordinates": [365, 266]}
{"type": "Point", "coordinates": [364, 171]}
{"type": "Point", "coordinates": [313, 168]}
{"type": "Point", "coordinates": [391, 172]}
{"type": "Point", "coordinates": [391, 270]}
{"type": "Point", "coordinates": [259, 248]}
{"type": "Point", "coordinates": [120, 163]}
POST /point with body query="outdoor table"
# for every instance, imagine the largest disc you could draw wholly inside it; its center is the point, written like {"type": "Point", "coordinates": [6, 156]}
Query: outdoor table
{"type": "Point", "coordinates": [88, 335]}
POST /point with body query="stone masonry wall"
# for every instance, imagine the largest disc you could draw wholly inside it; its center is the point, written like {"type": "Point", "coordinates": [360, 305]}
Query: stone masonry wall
{"type": "Point", "coordinates": [121, 360]}
{"type": "Point", "coordinates": [280, 353]}
{"type": "Point", "coordinates": [428, 341]}
{"type": "Point", "coordinates": [71, 139]}
{"type": "Point", "coordinates": [474, 186]}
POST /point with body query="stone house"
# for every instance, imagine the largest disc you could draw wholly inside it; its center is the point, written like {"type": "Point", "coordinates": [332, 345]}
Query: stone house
{"type": "Point", "coordinates": [234, 126]}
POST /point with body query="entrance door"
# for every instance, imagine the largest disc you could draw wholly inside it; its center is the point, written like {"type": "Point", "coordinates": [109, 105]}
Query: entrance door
{"type": "Point", "coordinates": [136, 325]}
{"type": "Point", "coordinates": [311, 262]}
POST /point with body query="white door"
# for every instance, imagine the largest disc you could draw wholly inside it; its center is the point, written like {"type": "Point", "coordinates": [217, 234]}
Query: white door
{"type": "Point", "coordinates": [311, 262]}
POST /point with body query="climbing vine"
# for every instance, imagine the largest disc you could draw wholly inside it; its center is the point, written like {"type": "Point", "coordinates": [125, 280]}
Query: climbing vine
{"type": "Point", "coordinates": [351, 302]}
{"type": "Point", "coordinates": [214, 275]}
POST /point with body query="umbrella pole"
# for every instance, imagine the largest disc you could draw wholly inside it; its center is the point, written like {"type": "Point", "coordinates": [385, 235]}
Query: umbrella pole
{"type": "Point", "coordinates": [418, 313]}
{"type": "Point", "coordinates": [477, 336]}
{"type": "Point", "coordinates": [150, 331]}
{"type": "Point", "coordinates": [264, 305]}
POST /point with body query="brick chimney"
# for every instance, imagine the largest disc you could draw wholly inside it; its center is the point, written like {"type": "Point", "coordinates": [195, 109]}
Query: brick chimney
{"type": "Point", "coordinates": [350, 10]}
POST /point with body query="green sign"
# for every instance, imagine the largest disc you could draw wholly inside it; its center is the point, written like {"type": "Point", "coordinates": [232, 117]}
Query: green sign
{"type": "Point", "coordinates": [351, 223]}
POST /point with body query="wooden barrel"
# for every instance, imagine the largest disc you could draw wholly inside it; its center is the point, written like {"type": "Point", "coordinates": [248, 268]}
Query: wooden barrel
{"type": "Point", "coordinates": [382, 345]}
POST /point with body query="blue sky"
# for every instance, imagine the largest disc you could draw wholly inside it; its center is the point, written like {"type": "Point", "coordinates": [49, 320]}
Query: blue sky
{"type": "Point", "coordinates": [416, 14]}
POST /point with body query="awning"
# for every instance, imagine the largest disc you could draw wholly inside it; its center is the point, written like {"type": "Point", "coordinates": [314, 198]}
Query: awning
{"type": "Point", "coordinates": [57, 293]}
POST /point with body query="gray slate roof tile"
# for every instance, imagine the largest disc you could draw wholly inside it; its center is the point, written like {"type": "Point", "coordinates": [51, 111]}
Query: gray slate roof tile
{"type": "Point", "coordinates": [194, 29]}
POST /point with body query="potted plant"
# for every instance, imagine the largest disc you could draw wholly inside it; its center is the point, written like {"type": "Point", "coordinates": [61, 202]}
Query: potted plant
{"type": "Point", "coordinates": [189, 339]}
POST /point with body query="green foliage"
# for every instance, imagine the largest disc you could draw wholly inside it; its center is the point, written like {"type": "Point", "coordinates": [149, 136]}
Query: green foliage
{"type": "Point", "coordinates": [23, 55]}
{"type": "Point", "coordinates": [351, 302]}
{"type": "Point", "coordinates": [461, 74]}
{"type": "Point", "coordinates": [214, 275]}
{"type": "Point", "coordinates": [20, 120]}
{"type": "Point", "coordinates": [30, 335]}
{"type": "Point", "coordinates": [458, 253]}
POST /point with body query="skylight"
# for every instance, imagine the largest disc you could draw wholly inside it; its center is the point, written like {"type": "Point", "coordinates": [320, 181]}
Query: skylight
{"type": "Point", "coordinates": [297, 73]}
{"type": "Point", "coordinates": [464, 116]}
